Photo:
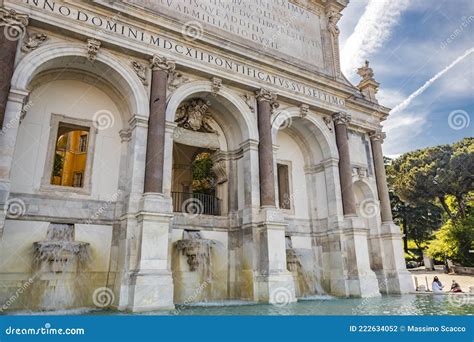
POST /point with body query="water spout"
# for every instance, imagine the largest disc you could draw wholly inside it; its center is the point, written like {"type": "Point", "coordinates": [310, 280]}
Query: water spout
{"type": "Point", "coordinates": [300, 262]}
{"type": "Point", "coordinates": [57, 260]}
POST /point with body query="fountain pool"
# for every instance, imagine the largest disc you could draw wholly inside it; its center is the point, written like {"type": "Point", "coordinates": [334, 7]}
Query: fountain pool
{"type": "Point", "coordinates": [412, 304]}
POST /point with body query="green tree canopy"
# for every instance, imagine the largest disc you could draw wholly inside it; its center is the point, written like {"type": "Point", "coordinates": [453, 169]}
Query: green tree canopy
{"type": "Point", "coordinates": [434, 173]}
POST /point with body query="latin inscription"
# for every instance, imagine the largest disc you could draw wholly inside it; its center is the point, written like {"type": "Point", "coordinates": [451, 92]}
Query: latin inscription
{"type": "Point", "coordinates": [269, 25]}
{"type": "Point", "coordinates": [112, 25]}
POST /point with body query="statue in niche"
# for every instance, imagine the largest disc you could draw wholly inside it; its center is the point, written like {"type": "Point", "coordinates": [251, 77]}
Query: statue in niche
{"type": "Point", "coordinates": [195, 115]}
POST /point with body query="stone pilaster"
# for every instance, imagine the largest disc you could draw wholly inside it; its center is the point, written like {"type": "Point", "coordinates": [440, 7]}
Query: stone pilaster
{"type": "Point", "coordinates": [148, 282]}
{"type": "Point", "coordinates": [160, 67]}
{"type": "Point", "coordinates": [341, 120]}
{"type": "Point", "coordinates": [12, 29]}
{"type": "Point", "coordinates": [8, 137]}
{"type": "Point", "coordinates": [273, 283]}
{"type": "Point", "coordinates": [266, 102]}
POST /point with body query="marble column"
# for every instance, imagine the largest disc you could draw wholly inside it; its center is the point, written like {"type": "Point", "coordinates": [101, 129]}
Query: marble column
{"type": "Point", "coordinates": [148, 283]}
{"type": "Point", "coordinates": [266, 102]}
{"type": "Point", "coordinates": [341, 120]}
{"type": "Point", "coordinates": [160, 67]}
{"type": "Point", "coordinates": [377, 138]}
{"type": "Point", "coordinates": [397, 279]}
{"type": "Point", "coordinates": [13, 27]}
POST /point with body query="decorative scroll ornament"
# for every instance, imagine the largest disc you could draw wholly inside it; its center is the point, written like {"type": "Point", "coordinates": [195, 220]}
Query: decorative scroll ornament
{"type": "Point", "coordinates": [377, 136]}
{"type": "Point", "coordinates": [93, 47]}
{"type": "Point", "coordinates": [140, 70]}
{"type": "Point", "coordinates": [264, 94]}
{"type": "Point", "coordinates": [216, 85]}
{"type": "Point", "coordinates": [14, 24]}
{"type": "Point", "coordinates": [162, 63]}
{"type": "Point", "coordinates": [249, 101]}
{"type": "Point", "coordinates": [328, 122]}
{"type": "Point", "coordinates": [304, 109]}
{"type": "Point", "coordinates": [341, 118]}
{"type": "Point", "coordinates": [220, 171]}
{"type": "Point", "coordinates": [33, 41]}
{"type": "Point", "coordinates": [175, 80]}
{"type": "Point", "coordinates": [194, 115]}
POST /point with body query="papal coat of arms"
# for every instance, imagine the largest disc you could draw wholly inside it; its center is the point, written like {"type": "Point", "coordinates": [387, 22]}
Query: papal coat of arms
{"type": "Point", "coordinates": [194, 115]}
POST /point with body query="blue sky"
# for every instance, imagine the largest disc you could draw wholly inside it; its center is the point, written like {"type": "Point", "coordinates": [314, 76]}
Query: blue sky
{"type": "Point", "coordinates": [406, 44]}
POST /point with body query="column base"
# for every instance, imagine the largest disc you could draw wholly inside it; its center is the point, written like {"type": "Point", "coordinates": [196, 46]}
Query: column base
{"type": "Point", "coordinates": [278, 289]}
{"type": "Point", "coordinates": [361, 279]}
{"type": "Point", "coordinates": [398, 279]}
{"type": "Point", "coordinates": [152, 291]}
{"type": "Point", "coordinates": [399, 282]}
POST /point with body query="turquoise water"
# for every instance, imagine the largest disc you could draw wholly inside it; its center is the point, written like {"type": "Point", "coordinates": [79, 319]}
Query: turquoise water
{"type": "Point", "coordinates": [412, 304]}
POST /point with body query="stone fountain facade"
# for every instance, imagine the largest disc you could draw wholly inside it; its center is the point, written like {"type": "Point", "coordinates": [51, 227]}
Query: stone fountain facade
{"type": "Point", "coordinates": [296, 152]}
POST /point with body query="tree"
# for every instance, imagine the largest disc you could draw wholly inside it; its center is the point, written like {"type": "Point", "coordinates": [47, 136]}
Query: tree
{"type": "Point", "coordinates": [433, 173]}
{"type": "Point", "coordinates": [417, 221]}
{"type": "Point", "coordinates": [203, 176]}
{"type": "Point", "coordinates": [454, 241]}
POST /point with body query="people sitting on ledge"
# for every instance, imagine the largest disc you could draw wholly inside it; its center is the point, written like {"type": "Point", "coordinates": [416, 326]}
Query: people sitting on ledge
{"type": "Point", "coordinates": [455, 287]}
{"type": "Point", "coordinates": [437, 286]}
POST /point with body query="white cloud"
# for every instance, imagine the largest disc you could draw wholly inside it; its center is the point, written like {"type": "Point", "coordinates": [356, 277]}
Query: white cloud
{"type": "Point", "coordinates": [373, 29]}
{"type": "Point", "coordinates": [404, 104]}
{"type": "Point", "coordinates": [390, 97]}
{"type": "Point", "coordinates": [401, 130]}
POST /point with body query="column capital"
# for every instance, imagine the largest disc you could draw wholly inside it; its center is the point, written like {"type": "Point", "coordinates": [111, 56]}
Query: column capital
{"type": "Point", "coordinates": [377, 135]}
{"type": "Point", "coordinates": [264, 94]}
{"type": "Point", "coordinates": [15, 23]}
{"type": "Point", "coordinates": [341, 118]}
{"type": "Point", "coordinates": [162, 63]}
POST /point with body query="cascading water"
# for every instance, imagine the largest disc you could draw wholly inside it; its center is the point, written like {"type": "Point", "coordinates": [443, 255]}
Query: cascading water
{"type": "Point", "coordinates": [57, 261]}
{"type": "Point", "coordinates": [194, 273]}
{"type": "Point", "coordinates": [300, 262]}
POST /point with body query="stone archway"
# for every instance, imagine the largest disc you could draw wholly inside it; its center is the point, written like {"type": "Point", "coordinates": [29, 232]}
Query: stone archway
{"type": "Point", "coordinates": [305, 144]}
{"type": "Point", "coordinates": [114, 87]}
{"type": "Point", "coordinates": [231, 139]}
